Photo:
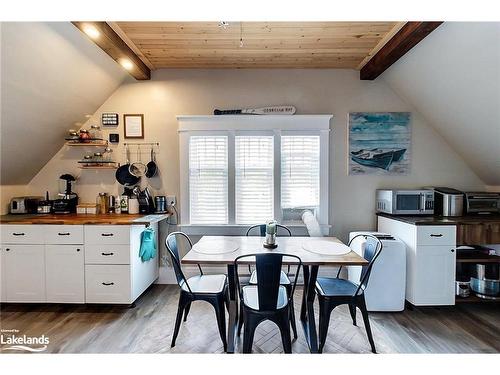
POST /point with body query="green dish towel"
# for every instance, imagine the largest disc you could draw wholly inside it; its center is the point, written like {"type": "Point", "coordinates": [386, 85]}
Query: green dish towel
{"type": "Point", "coordinates": [148, 245]}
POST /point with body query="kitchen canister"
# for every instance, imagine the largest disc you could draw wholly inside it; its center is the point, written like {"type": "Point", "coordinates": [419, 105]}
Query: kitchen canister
{"type": "Point", "coordinates": [462, 289]}
{"type": "Point", "coordinates": [133, 205]}
{"type": "Point", "coordinates": [124, 204]}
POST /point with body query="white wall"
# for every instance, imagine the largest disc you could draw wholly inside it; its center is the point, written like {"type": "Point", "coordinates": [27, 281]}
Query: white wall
{"type": "Point", "coordinates": [173, 92]}
{"type": "Point", "coordinates": [452, 78]}
{"type": "Point", "coordinates": [51, 77]}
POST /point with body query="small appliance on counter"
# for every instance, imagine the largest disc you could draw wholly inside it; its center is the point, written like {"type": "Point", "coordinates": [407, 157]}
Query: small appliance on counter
{"type": "Point", "coordinates": [482, 203]}
{"type": "Point", "coordinates": [448, 202]}
{"type": "Point", "coordinates": [405, 202]}
{"type": "Point", "coordinates": [24, 205]}
{"type": "Point", "coordinates": [69, 200]}
{"type": "Point", "coordinates": [146, 202]}
{"type": "Point", "coordinates": [45, 206]}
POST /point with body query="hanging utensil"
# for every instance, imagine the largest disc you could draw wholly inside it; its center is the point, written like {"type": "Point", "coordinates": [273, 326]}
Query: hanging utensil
{"type": "Point", "coordinates": [152, 167]}
{"type": "Point", "coordinates": [123, 175]}
{"type": "Point", "coordinates": [138, 168]}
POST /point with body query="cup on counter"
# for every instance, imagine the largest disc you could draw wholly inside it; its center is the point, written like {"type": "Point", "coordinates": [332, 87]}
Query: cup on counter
{"type": "Point", "coordinates": [133, 205]}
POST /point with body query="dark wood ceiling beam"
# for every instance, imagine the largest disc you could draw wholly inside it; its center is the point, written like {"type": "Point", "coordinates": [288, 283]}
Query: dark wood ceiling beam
{"type": "Point", "coordinates": [403, 41]}
{"type": "Point", "coordinates": [111, 43]}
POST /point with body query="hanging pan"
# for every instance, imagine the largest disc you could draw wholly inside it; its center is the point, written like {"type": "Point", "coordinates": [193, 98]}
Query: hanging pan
{"type": "Point", "coordinates": [137, 168]}
{"type": "Point", "coordinates": [152, 167]}
{"type": "Point", "coordinates": [123, 175]}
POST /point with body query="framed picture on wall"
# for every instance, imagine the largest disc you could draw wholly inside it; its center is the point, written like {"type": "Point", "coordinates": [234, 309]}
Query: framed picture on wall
{"type": "Point", "coordinates": [379, 143]}
{"type": "Point", "coordinates": [133, 125]}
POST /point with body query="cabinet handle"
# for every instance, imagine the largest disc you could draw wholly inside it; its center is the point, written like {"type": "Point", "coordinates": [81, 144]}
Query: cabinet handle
{"type": "Point", "coordinates": [436, 235]}
{"type": "Point", "coordinates": [7, 249]}
{"type": "Point", "coordinates": [452, 250]}
{"type": "Point", "coordinates": [107, 234]}
{"type": "Point", "coordinates": [77, 249]}
{"type": "Point", "coordinates": [18, 234]}
{"type": "Point", "coordinates": [64, 234]}
{"type": "Point", "coordinates": [106, 254]}
{"type": "Point", "coordinates": [107, 284]}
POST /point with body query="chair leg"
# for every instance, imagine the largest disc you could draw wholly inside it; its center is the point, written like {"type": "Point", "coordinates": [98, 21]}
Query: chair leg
{"type": "Point", "coordinates": [292, 314]}
{"type": "Point", "coordinates": [240, 320]}
{"type": "Point", "coordinates": [251, 324]}
{"type": "Point", "coordinates": [186, 310]}
{"type": "Point", "coordinates": [221, 319]}
{"type": "Point", "coordinates": [352, 310]}
{"type": "Point", "coordinates": [284, 326]}
{"type": "Point", "coordinates": [364, 312]}
{"type": "Point", "coordinates": [178, 319]}
{"type": "Point", "coordinates": [325, 310]}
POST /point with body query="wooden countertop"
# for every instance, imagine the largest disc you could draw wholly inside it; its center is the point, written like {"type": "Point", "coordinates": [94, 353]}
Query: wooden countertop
{"type": "Point", "coordinates": [441, 220]}
{"type": "Point", "coordinates": [74, 219]}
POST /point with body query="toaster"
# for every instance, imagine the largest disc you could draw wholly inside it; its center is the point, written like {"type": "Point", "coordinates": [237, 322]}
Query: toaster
{"type": "Point", "coordinates": [24, 205]}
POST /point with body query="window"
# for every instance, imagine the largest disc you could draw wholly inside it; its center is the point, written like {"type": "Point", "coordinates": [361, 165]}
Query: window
{"type": "Point", "coordinates": [300, 166]}
{"type": "Point", "coordinates": [244, 170]}
{"type": "Point", "coordinates": [208, 180]}
{"type": "Point", "coordinates": [254, 179]}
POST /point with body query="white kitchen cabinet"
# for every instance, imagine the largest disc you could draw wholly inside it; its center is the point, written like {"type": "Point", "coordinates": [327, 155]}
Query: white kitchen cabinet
{"type": "Point", "coordinates": [23, 273]}
{"type": "Point", "coordinates": [74, 263]}
{"type": "Point", "coordinates": [64, 270]}
{"type": "Point", "coordinates": [430, 260]}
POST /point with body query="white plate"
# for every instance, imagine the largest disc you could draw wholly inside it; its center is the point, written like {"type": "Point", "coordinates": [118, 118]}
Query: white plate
{"type": "Point", "coordinates": [324, 247]}
{"type": "Point", "coordinates": [215, 246]}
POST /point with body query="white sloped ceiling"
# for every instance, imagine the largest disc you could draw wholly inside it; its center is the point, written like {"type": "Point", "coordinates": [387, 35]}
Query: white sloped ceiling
{"type": "Point", "coordinates": [452, 77]}
{"type": "Point", "coordinates": [51, 76]}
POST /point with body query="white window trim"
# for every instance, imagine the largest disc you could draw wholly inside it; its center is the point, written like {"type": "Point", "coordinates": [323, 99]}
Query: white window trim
{"type": "Point", "coordinates": [252, 125]}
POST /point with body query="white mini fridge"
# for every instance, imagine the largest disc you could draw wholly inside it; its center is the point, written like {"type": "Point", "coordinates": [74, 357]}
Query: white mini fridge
{"type": "Point", "coordinates": [387, 284]}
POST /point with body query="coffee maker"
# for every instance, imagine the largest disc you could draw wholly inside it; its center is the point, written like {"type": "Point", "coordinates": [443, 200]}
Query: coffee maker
{"type": "Point", "coordinates": [68, 200]}
{"type": "Point", "coordinates": [146, 202]}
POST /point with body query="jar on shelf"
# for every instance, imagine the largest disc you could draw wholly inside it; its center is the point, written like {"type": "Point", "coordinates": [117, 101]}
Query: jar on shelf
{"type": "Point", "coordinates": [95, 132]}
{"type": "Point", "coordinates": [84, 136]}
{"type": "Point", "coordinates": [88, 159]}
{"type": "Point", "coordinates": [102, 203]}
{"type": "Point", "coordinates": [107, 154]}
{"type": "Point", "coordinates": [98, 158]}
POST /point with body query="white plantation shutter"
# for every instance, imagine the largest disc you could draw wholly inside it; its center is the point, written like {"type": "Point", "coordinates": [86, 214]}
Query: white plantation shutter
{"type": "Point", "coordinates": [254, 182]}
{"type": "Point", "coordinates": [300, 166]}
{"type": "Point", "coordinates": [208, 179]}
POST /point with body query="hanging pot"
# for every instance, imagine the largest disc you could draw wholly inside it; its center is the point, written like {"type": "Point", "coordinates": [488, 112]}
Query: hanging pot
{"type": "Point", "coordinates": [123, 175]}
{"type": "Point", "coordinates": [152, 167]}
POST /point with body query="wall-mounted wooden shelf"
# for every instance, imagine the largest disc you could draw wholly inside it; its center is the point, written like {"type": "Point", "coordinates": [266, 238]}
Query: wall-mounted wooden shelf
{"type": "Point", "coordinates": [99, 168]}
{"type": "Point", "coordinates": [99, 143]}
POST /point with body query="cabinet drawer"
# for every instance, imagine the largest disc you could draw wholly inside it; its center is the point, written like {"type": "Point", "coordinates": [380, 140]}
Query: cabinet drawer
{"type": "Point", "coordinates": [107, 254]}
{"type": "Point", "coordinates": [436, 235]}
{"type": "Point", "coordinates": [107, 284]}
{"type": "Point", "coordinates": [22, 234]}
{"type": "Point", "coordinates": [64, 234]}
{"type": "Point", "coordinates": [107, 234]}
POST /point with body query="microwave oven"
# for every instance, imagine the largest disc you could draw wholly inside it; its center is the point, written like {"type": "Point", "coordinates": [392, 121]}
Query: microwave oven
{"type": "Point", "coordinates": [405, 202]}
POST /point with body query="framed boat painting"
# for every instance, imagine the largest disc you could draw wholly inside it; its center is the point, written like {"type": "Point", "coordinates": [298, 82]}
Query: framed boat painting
{"type": "Point", "coordinates": [379, 143]}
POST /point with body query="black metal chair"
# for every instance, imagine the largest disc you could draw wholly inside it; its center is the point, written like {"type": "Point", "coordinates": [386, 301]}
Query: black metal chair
{"type": "Point", "coordinates": [284, 279]}
{"type": "Point", "coordinates": [209, 288]}
{"type": "Point", "coordinates": [333, 292]}
{"type": "Point", "coordinates": [268, 300]}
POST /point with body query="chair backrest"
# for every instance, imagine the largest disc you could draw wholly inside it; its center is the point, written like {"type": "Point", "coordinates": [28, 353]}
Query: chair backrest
{"type": "Point", "coordinates": [173, 248]}
{"type": "Point", "coordinates": [268, 268]}
{"type": "Point", "coordinates": [262, 230]}
{"type": "Point", "coordinates": [373, 248]}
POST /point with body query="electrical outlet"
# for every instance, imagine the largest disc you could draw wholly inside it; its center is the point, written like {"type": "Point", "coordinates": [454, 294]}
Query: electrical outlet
{"type": "Point", "coordinates": [171, 201]}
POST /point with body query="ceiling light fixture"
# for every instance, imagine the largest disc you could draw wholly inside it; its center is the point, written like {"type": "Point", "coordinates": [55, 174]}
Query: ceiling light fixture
{"type": "Point", "coordinates": [126, 63]}
{"type": "Point", "coordinates": [91, 31]}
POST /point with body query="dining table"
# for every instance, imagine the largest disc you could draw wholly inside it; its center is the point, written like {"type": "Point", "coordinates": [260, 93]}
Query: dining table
{"type": "Point", "coordinates": [313, 251]}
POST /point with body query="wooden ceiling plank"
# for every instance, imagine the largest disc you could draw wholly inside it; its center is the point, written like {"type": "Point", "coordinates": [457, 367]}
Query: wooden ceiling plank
{"type": "Point", "coordinates": [404, 40]}
{"type": "Point", "coordinates": [111, 43]}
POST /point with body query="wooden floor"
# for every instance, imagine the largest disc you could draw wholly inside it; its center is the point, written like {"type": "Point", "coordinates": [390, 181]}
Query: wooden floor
{"type": "Point", "coordinates": [147, 328]}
